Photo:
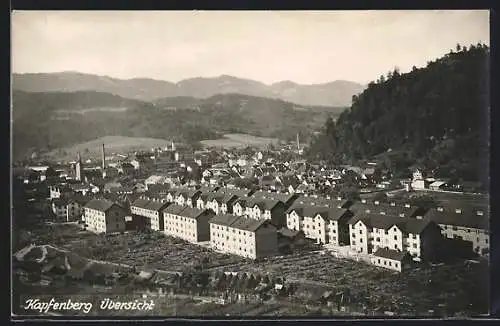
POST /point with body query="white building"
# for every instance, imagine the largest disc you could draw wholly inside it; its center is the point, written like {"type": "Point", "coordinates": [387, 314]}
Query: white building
{"type": "Point", "coordinates": [243, 236]}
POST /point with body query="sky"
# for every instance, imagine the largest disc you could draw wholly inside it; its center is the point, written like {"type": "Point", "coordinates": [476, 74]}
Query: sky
{"type": "Point", "coordinates": [305, 47]}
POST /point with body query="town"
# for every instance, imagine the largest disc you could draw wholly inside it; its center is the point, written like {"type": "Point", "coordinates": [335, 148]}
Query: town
{"type": "Point", "coordinates": [252, 203]}
{"type": "Point", "coordinates": [271, 164]}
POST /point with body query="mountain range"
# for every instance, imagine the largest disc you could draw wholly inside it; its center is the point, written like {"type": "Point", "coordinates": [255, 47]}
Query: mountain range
{"type": "Point", "coordinates": [336, 93]}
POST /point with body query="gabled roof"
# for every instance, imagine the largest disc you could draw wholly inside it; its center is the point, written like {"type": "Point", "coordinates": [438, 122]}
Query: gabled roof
{"type": "Point", "coordinates": [193, 212]}
{"type": "Point", "coordinates": [459, 219]}
{"type": "Point", "coordinates": [391, 254]}
{"type": "Point", "coordinates": [102, 205]}
{"type": "Point", "coordinates": [141, 203]}
{"type": "Point", "coordinates": [174, 209]}
{"type": "Point", "coordinates": [249, 224]}
{"type": "Point", "coordinates": [156, 205]}
{"type": "Point", "coordinates": [333, 214]}
{"type": "Point", "coordinates": [266, 204]}
{"type": "Point", "coordinates": [405, 224]}
{"type": "Point", "coordinates": [223, 219]}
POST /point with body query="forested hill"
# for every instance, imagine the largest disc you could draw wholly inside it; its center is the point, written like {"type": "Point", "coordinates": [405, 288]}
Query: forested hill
{"type": "Point", "coordinates": [437, 116]}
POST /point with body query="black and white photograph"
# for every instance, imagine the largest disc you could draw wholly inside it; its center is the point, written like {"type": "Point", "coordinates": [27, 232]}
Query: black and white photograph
{"type": "Point", "coordinates": [250, 164]}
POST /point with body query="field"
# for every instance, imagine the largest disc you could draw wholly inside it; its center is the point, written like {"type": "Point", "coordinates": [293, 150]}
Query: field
{"type": "Point", "coordinates": [119, 144]}
{"type": "Point", "coordinates": [240, 140]}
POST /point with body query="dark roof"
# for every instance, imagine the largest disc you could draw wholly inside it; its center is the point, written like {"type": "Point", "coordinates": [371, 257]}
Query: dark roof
{"type": "Point", "coordinates": [385, 222]}
{"type": "Point", "coordinates": [141, 203]}
{"type": "Point", "coordinates": [286, 232]}
{"type": "Point", "coordinates": [303, 201]}
{"type": "Point", "coordinates": [193, 212]}
{"type": "Point", "coordinates": [223, 219]}
{"type": "Point", "coordinates": [333, 214]}
{"type": "Point", "coordinates": [384, 208]}
{"type": "Point", "coordinates": [174, 209]}
{"type": "Point", "coordinates": [391, 254]}
{"type": "Point", "coordinates": [59, 202]}
{"type": "Point", "coordinates": [249, 224]}
{"type": "Point", "coordinates": [156, 205]}
{"type": "Point", "coordinates": [266, 204]}
{"type": "Point", "coordinates": [100, 204]}
{"type": "Point", "coordinates": [459, 219]}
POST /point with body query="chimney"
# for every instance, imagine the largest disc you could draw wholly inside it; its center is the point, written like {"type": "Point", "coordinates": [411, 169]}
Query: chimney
{"type": "Point", "coordinates": [376, 202]}
{"type": "Point", "coordinates": [419, 217]}
{"type": "Point", "coordinates": [480, 213]}
{"type": "Point", "coordinates": [407, 205]}
{"type": "Point", "coordinates": [458, 211]}
{"type": "Point", "coordinates": [363, 201]}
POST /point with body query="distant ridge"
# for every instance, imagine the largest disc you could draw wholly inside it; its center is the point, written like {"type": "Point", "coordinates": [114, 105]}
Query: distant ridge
{"type": "Point", "coordinates": [335, 93]}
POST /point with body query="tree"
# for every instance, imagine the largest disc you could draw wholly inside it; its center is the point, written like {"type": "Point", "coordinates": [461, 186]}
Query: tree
{"type": "Point", "coordinates": [459, 48]}
{"type": "Point", "coordinates": [424, 201]}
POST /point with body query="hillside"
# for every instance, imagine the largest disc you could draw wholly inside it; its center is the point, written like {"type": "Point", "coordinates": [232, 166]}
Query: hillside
{"type": "Point", "coordinates": [47, 121]}
{"type": "Point", "coordinates": [337, 93]}
{"type": "Point", "coordinates": [437, 116]}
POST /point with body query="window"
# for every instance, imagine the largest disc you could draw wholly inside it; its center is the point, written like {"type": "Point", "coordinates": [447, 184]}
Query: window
{"type": "Point", "coordinates": [354, 242]}
{"type": "Point", "coordinates": [354, 235]}
{"type": "Point", "coordinates": [386, 232]}
{"type": "Point", "coordinates": [390, 264]}
{"type": "Point", "coordinates": [395, 237]}
{"type": "Point", "coordinates": [455, 228]}
{"type": "Point", "coordinates": [415, 245]}
{"type": "Point", "coordinates": [360, 231]}
{"type": "Point", "coordinates": [360, 240]}
{"type": "Point", "coordinates": [486, 240]}
{"type": "Point", "coordinates": [396, 264]}
{"type": "Point", "coordinates": [385, 263]}
{"type": "Point", "coordinates": [379, 261]}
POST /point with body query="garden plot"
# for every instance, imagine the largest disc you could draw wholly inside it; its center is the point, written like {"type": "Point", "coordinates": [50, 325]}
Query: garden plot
{"type": "Point", "coordinates": [141, 250]}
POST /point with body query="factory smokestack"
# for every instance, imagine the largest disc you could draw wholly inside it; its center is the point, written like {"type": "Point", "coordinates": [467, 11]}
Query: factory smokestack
{"type": "Point", "coordinates": [103, 162]}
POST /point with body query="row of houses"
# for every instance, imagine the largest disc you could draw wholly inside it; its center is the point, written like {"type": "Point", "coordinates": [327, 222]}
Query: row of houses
{"type": "Point", "coordinates": [232, 220]}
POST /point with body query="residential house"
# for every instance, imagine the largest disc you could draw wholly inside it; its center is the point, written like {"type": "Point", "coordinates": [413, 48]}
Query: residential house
{"type": "Point", "coordinates": [243, 236]}
{"type": "Point", "coordinates": [391, 259]}
{"type": "Point", "coordinates": [151, 211]}
{"type": "Point", "coordinates": [188, 223]}
{"type": "Point", "coordinates": [419, 237]}
{"type": "Point", "coordinates": [102, 215]}
{"type": "Point", "coordinates": [187, 197]}
{"type": "Point", "coordinates": [60, 191]}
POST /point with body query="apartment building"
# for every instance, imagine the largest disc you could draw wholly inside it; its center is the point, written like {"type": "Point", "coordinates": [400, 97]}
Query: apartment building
{"type": "Point", "coordinates": [243, 236]}
{"type": "Point", "coordinates": [322, 223]}
{"type": "Point", "coordinates": [391, 209]}
{"type": "Point", "coordinates": [102, 215]}
{"type": "Point", "coordinates": [419, 237]}
{"type": "Point", "coordinates": [469, 224]}
{"type": "Point", "coordinates": [188, 223]}
{"type": "Point", "coordinates": [151, 210]}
